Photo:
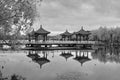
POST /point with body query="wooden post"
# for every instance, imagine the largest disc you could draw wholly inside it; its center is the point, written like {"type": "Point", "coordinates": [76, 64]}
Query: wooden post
{"type": "Point", "coordinates": [76, 37]}
{"type": "Point", "coordinates": [46, 37]}
{"type": "Point", "coordinates": [43, 37]}
{"type": "Point", "coordinates": [80, 37]}
{"type": "Point", "coordinates": [29, 38]}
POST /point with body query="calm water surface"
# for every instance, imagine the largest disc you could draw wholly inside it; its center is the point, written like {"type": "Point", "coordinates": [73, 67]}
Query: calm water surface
{"type": "Point", "coordinates": [99, 64]}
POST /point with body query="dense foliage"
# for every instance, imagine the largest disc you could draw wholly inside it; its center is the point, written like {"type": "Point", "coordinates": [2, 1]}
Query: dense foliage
{"type": "Point", "coordinates": [17, 16]}
{"type": "Point", "coordinates": [106, 34]}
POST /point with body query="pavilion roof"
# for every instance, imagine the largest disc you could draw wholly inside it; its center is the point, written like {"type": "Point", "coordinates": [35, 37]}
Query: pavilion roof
{"type": "Point", "coordinates": [41, 61]}
{"type": "Point", "coordinates": [42, 31]}
{"type": "Point", "coordinates": [66, 55]}
{"type": "Point", "coordinates": [66, 33]}
{"type": "Point", "coordinates": [82, 59]}
{"type": "Point", "coordinates": [32, 56]}
{"type": "Point", "coordinates": [83, 32]}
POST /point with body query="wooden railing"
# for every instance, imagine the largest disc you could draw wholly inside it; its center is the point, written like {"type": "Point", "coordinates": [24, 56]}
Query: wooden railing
{"type": "Point", "coordinates": [60, 42]}
{"type": "Point", "coordinates": [49, 42]}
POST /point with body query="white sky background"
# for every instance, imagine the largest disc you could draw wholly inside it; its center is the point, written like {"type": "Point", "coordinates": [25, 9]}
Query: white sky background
{"type": "Point", "coordinates": [59, 15]}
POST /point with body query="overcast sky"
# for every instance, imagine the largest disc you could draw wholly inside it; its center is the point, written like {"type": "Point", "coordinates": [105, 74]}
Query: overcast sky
{"type": "Point", "coordinates": [58, 15]}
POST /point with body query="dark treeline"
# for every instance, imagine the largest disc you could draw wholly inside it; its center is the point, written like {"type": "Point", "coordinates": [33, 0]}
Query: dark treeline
{"type": "Point", "coordinates": [107, 35]}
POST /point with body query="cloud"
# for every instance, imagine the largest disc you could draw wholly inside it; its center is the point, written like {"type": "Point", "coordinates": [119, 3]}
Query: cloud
{"type": "Point", "coordinates": [79, 12]}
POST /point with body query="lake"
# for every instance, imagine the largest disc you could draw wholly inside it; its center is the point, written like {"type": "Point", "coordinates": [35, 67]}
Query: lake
{"type": "Point", "coordinates": [100, 64]}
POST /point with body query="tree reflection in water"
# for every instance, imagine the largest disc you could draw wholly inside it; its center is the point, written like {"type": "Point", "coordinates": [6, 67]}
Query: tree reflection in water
{"type": "Point", "coordinates": [107, 54]}
{"type": "Point", "coordinates": [12, 77]}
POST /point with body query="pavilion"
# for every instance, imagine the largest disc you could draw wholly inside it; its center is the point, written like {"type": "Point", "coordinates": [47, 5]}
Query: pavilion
{"type": "Point", "coordinates": [66, 55]}
{"type": "Point", "coordinates": [39, 32]}
{"type": "Point", "coordinates": [41, 60]}
{"type": "Point", "coordinates": [42, 32]}
{"type": "Point", "coordinates": [81, 58]}
{"type": "Point", "coordinates": [66, 36]}
{"type": "Point", "coordinates": [32, 55]}
{"type": "Point", "coordinates": [82, 35]}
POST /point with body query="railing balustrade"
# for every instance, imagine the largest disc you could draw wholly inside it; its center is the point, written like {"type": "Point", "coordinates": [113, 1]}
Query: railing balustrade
{"type": "Point", "coordinates": [50, 42]}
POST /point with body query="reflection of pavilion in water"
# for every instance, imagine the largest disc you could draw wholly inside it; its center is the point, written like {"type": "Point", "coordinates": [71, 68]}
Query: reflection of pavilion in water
{"type": "Point", "coordinates": [66, 55]}
{"type": "Point", "coordinates": [82, 57]}
{"type": "Point", "coordinates": [110, 54]}
{"type": "Point", "coordinates": [40, 59]}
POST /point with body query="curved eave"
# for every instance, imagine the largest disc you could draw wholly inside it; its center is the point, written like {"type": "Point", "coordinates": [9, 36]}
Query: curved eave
{"type": "Point", "coordinates": [82, 60]}
{"type": "Point", "coordinates": [66, 34]}
{"type": "Point", "coordinates": [42, 31]}
{"type": "Point", "coordinates": [83, 32]}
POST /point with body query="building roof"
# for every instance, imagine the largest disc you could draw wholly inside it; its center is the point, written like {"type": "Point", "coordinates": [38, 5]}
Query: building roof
{"type": "Point", "coordinates": [42, 31]}
{"type": "Point", "coordinates": [37, 59]}
{"type": "Point", "coordinates": [66, 33]}
{"type": "Point", "coordinates": [66, 55]}
{"type": "Point", "coordinates": [41, 61]}
{"type": "Point", "coordinates": [82, 59]}
{"type": "Point", "coordinates": [32, 56]}
{"type": "Point", "coordinates": [83, 32]}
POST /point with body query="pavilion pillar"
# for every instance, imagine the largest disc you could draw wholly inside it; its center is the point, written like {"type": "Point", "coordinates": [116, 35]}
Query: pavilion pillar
{"type": "Point", "coordinates": [83, 38]}
{"type": "Point", "coordinates": [43, 37]}
{"type": "Point", "coordinates": [69, 38]}
{"type": "Point", "coordinates": [63, 38]}
{"type": "Point", "coordinates": [87, 37]}
{"type": "Point", "coordinates": [87, 54]}
{"type": "Point", "coordinates": [76, 37]}
{"type": "Point", "coordinates": [83, 54]}
{"type": "Point", "coordinates": [76, 54]}
{"type": "Point", "coordinates": [46, 55]}
{"type": "Point", "coordinates": [29, 38]}
{"type": "Point", "coordinates": [80, 37]}
{"type": "Point", "coordinates": [36, 38]}
{"type": "Point", "coordinates": [66, 38]}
